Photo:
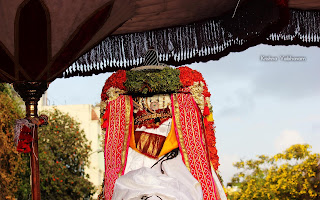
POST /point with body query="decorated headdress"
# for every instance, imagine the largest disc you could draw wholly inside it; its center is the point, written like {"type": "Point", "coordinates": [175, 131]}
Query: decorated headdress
{"type": "Point", "coordinates": [156, 78]}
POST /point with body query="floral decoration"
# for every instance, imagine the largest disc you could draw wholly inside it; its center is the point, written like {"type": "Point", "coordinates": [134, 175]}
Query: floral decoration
{"type": "Point", "coordinates": [197, 93]}
{"type": "Point", "coordinates": [116, 80]}
{"type": "Point", "coordinates": [211, 143]}
{"type": "Point", "coordinates": [114, 93]}
{"type": "Point", "coordinates": [188, 76]}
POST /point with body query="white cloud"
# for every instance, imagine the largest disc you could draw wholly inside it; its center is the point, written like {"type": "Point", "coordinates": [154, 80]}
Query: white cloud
{"type": "Point", "coordinates": [226, 168]}
{"type": "Point", "coordinates": [240, 102]}
{"type": "Point", "coordinates": [288, 138]}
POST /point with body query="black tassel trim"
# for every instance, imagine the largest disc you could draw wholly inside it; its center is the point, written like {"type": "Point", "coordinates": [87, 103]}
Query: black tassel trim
{"type": "Point", "coordinates": [203, 41]}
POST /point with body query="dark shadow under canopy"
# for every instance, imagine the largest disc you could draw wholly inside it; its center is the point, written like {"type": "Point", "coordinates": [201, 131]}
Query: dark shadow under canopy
{"type": "Point", "coordinates": [40, 39]}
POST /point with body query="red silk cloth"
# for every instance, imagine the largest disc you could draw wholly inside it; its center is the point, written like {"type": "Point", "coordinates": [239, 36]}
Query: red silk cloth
{"type": "Point", "coordinates": [191, 138]}
{"type": "Point", "coordinates": [118, 131]}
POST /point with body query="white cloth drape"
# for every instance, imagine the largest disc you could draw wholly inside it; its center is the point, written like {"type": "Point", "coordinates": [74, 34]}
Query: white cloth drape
{"type": "Point", "coordinates": [219, 186]}
{"type": "Point", "coordinates": [176, 183]}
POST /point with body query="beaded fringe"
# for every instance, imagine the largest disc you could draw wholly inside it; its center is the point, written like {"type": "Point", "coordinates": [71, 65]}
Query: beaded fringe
{"type": "Point", "coordinates": [209, 40]}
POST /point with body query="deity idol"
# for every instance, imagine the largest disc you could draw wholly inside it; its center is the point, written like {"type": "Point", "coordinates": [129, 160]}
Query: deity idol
{"type": "Point", "coordinates": [160, 139]}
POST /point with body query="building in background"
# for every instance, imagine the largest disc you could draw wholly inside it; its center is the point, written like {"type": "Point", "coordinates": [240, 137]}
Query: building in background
{"type": "Point", "coordinates": [88, 117]}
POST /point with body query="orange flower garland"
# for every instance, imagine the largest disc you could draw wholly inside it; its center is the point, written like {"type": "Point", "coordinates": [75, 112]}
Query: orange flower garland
{"type": "Point", "coordinates": [116, 80]}
{"type": "Point", "coordinates": [211, 143]}
{"type": "Point", "coordinates": [188, 76]}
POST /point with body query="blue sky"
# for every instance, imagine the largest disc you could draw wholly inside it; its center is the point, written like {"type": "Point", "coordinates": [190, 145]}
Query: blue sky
{"type": "Point", "coordinates": [260, 107]}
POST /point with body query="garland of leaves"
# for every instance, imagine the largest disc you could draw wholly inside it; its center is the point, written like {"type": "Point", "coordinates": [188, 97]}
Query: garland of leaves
{"type": "Point", "coordinates": [153, 81]}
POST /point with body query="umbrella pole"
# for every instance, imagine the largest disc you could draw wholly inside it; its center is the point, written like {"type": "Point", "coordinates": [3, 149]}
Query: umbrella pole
{"type": "Point", "coordinates": [32, 111]}
{"type": "Point", "coordinates": [31, 92]}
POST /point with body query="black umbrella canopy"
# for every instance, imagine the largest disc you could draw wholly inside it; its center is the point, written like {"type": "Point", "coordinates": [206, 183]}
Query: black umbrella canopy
{"type": "Point", "coordinates": [275, 22]}
{"type": "Point", "coordinates": [40, 39]}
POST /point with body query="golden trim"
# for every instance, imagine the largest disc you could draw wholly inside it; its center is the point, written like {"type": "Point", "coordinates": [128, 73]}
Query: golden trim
{"type": "Point", "coordinates": [152, 116]}
{"type": "Point", "coordinates": [201, 148]}
{"type": "Point", "coordinates": [153, 147]}
{"type": "Point", "coordinates": [188, 134]}
{"type": "Point", "coordinates": [179, 130]}
{"type": "Point", "coordinates": [142, 142]}
{"type": "Point", "coordinates": [126, 136]}
{"type": "Point", "coordinates": [191, 135]}
{"type": "Point", "coordinates": [117, 131]}
{"type": "Point", "coordinates": [108, 139]}
{"type": "Point", "coordinates": [193, 127]}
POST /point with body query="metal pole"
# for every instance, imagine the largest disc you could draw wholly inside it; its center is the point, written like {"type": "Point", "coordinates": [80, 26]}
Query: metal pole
{"type": "Point", "coordinates": [31, 93]}
{"type": "Point", "coordinates": [32, 111]}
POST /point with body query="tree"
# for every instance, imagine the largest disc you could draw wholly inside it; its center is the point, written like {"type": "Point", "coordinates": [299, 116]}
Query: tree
{"type": "Point", "coordinates": [10, 159]}
{"type": "Point", "coordinates": [63, 153]}
{"type": "Point", "coordinates": [291, 175]}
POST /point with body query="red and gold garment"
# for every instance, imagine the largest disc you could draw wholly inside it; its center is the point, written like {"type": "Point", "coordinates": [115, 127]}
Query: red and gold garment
{"type": "Point", "coordinates": [187, 132]}
{"type": "Point", "coordinates": [192, 142]}
{"type": "Point", "coordinates": [118, 132]}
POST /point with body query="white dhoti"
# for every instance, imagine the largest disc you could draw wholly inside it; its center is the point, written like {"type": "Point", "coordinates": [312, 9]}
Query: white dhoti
{"type": "Point", "coordinates": [147, 183]}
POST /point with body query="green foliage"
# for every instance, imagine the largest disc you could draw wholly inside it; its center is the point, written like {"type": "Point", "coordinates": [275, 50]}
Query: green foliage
{"type": "Point", "coordinates": [16, 100]}
{"type": "Point", "coordinates": [153, 81]}
{"type": "Point", "coordinates": [5, 88]}
{"type": "Point", "coordinates": [63, 156]}
{"type": "Point", "coordinates": [291, 175]}
{"type": "Point", "coordinates": [10, 159]}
